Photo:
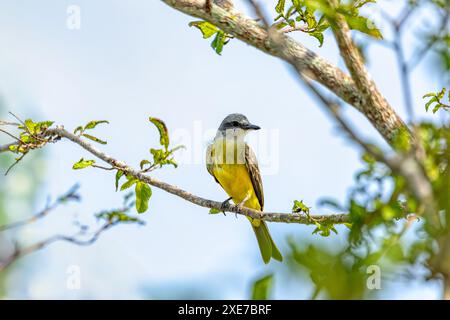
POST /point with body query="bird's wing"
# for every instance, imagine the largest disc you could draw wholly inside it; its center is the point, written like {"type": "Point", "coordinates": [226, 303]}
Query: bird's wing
{"type": "Point", "coordinates": [209, 162]}
{"type": "Point", "coordinates": [255, 176]}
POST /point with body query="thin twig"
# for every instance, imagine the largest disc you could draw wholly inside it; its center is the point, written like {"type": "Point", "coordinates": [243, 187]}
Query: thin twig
{"type": "Point", "coordinates": [20, 252]}
{"type": "Point", "coordinates": [15, 163]}
{"type": "Point", "coordinates": [69, 195]}
{"type": "Point", "coordinates": [9, 134]}
{"type": "Point", "coordinates": [420, 55]}
{"type": "Point", "coordinates": [7, 123]}
{"type": "Point", "coordinates": [77, 239]}
{"type": "Point", "coordinates": [259, 13]}
{"type": "Point", "coordinates": [103, 168]}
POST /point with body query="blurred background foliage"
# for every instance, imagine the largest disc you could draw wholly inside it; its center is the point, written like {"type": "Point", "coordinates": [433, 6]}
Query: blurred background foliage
{"type": "Point", "coordinates": [17, 196]}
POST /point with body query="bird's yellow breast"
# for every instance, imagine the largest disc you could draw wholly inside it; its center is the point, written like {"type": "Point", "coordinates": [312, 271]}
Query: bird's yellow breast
{"type": "Point", "coordinates": [235, 180]}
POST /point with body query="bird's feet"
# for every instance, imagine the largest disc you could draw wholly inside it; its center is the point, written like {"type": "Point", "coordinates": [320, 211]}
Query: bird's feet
{"type": "Point", "coordinates": [225, 205]}
{"type": "Point", "coordinates": [240, 205]}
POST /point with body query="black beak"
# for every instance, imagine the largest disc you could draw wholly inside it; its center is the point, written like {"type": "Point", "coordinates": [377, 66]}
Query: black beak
{"type": "Point", "coordinates": [252, 127]}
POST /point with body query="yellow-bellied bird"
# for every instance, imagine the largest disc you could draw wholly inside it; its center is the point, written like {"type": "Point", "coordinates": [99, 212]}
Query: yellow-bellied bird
{"type": "Point", "coordinates": [233, 165]}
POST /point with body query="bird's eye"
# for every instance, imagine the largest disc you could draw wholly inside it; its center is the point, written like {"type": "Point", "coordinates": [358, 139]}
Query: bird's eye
{"type": "Point", "coordinates": [235, 124]}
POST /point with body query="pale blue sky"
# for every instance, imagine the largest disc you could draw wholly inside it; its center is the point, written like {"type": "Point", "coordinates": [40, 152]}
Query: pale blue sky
{"type": "Point", "coordinates": [139, 58]}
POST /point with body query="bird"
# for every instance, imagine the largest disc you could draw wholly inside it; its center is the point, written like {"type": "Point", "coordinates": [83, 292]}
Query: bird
{"type": "Point", "coordinates": [233, 164]}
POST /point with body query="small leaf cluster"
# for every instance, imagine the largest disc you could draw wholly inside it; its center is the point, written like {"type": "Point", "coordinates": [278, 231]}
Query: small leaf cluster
{"type": "Point", "coordinates": [436, 100]}
{"type": "Point", "coordinates": [299, 12]}
{"type": "Point", "coordinates": [142, 190]}
{"type": "Point", "coordinates": [331, 271]}
{"type": "Point", "coordinates": [221, 38]}
{"type": "Point", "coordinates": [322, 228]}
{"type": "Point", "coordinates": [81, 130]}
{"type": "Point", "coordinates": [32, 136]}
{"type": "Point", "coordinates": [314, 17]}
{"type": "Point", "coordinates": [380, 206]}
{"type": "Point", "coordinates": [120, 215]}
{"type": "Point", "coordinates": [117, 216]}
{"type": "Point", "coordinates": [161, 157]}
{"type": "Point", "coordinates": [300, 206]}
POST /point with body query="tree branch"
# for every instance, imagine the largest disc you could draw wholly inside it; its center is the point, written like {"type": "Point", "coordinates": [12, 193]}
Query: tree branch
{"type": "Point", "coordinates": [403, 164]}
{"type": "Point", "coordinates": [20, 252]}
{"type": "Point", "coordinates": [82, 238]}
{"type": "Point", "coordinates": [376, 108]}
{"type": "Point", "coordinates": [60, 132]}
{"type": "Point", "coordinates": [306, 62]}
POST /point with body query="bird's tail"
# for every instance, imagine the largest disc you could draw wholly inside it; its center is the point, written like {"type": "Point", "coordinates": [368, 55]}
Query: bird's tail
{"type": "Point", "coordinates": [266, 245]}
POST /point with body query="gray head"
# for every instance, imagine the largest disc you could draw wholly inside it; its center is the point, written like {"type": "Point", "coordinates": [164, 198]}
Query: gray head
{"type": "Point", "coordinates": [236, 121]}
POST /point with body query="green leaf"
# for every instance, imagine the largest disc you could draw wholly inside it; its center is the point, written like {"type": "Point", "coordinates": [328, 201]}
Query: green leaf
{"type": "Point", "coordinates": [364, 25]}
{"type": "Point", "coordinates": [93, 124]}
{"type": "Point", "coordinates": [207, 29]}
{"type": "Point", "coordinates": [219, 42]}
{"type": "Point", "coordinates": [143, 194]}
{"type": "Point", "coordinates": [25, 138]}
{"type": "Point", "coordinates": [428, 95]}
{"type": "Point", "coordinates": [79, 129]}
{"type": "Point", "coordinates": [13, 148]}
{"type": "Point", "coordinates": [29, 127]}
{"type": "Point", "coordinates": [93, 138]}
{"type": "Point", "coordinates": [318, 35]}
{"type": "Point", "coordinates": [43, 126]}
{"type": "Point", "coordinates": [83, 164]}
{"type": "Point", "coordinates": [262, 288]}
{"type": "Point", "coordinates": [131, 181]}
{"type": "Point", "coordinates": [214, 211]}
{"type": "Point", "coordinates": [431, 101]}
{"type": "Point", "coordinates": [324, 229]}
{"type": "Point", "coordinates": [143, 163]}
{"type": "Point", "coordinates": [119, 175]}
{"type": "Point", "coordinates": [280, 6]}
{"type": "Point", "coordinates": [348, 225]}
{"type": "Point", "coordinates": [299, 206]}
{"type": "Point", "coordinates": [161, 157]}
{"type": "Point", "coordinates": [163, 132]}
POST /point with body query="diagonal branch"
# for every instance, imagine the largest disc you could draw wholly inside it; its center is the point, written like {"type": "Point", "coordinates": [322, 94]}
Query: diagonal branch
{"type": "Point", "coordinates": [376, 107]}
{"type": "Point", "coordinates": [306, 62]}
